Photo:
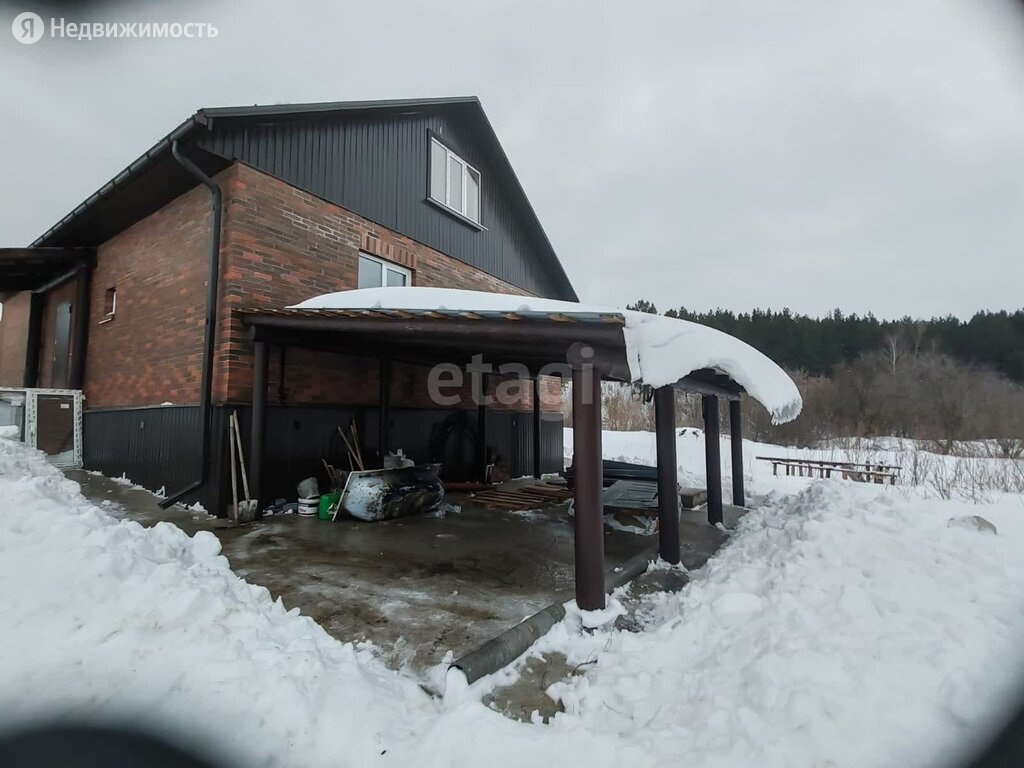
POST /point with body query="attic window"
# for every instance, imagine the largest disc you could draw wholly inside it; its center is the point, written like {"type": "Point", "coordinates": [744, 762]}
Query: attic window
{"type": "Point", "coordinates": [454, 183]}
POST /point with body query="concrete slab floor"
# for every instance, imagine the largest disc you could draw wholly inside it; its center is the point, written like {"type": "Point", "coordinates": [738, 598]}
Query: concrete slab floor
{"type": "Point", "coordinates": [416, 587]}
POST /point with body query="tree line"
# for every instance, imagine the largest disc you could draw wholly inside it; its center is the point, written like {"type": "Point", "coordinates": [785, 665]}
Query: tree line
{"type": "Point", "coordinates": [817, 345]}
{"type": "Point", "coordinates": [944, 381]}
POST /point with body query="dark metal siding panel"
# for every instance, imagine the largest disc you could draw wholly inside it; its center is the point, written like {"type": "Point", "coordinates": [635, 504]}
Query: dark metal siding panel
{"type": "Point", "coordinates": [158, 447]}
{"type": "Point", "coordinates": [376, 166]}
{"type": "Point", "coordinates": [153, 447]}
{"type": "Point", "coordinates": [510, 433]}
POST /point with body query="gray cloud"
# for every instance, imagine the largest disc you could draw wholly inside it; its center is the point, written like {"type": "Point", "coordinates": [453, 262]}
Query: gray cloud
{"type": "Point", "coordinates": [804, 154]}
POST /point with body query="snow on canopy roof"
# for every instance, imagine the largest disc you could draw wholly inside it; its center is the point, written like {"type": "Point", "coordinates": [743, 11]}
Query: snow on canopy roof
{"type": "Point", "coordinates": [660, 350]}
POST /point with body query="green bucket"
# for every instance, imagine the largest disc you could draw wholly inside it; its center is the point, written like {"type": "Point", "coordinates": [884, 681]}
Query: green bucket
{"type": "Point", "coordinates": [327, 501]}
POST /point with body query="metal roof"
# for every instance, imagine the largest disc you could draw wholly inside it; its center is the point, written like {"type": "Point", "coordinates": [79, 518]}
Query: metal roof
{"type": "Point", "coordinates": [129, 197]}
{"type": "Point", "coordinates": [429, 336]}
{"type": "Point", "coordinates": [439, 314]}
{"type": "Point", "coordinates": [28, 269]}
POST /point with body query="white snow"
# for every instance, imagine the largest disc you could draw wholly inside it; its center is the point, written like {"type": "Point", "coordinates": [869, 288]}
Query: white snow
{"type": "Point", "coordinates": [103, 618]}
{"type": "Point", "coordinates": [842, 625]}
{"type": "Point", "coordinates": [660, 350]}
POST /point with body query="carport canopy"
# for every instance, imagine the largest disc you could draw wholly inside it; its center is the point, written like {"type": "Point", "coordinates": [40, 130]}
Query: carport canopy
{"type": "Point", "coordinates": [545, 337]}
{"type": "Point", "coordinates": [33, 269]}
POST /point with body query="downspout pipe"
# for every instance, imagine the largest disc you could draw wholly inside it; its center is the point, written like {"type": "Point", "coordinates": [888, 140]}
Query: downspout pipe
{"type": "Point", "coordinates": [210, 335]}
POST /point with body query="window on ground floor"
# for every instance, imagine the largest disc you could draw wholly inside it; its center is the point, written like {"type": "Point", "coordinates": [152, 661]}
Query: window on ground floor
{"type": "Point", "coordinates": [377, 273]}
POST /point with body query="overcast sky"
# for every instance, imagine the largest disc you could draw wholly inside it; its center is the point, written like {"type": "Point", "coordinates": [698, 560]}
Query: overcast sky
{"type": "Point", "coordinates": [811, 155]}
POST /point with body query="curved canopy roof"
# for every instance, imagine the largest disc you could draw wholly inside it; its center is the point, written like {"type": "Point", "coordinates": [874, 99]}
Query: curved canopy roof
{"type": "Point", "coordinates": [659, 350]}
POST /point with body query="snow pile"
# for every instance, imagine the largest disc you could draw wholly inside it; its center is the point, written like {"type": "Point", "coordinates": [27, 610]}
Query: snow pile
{"type": "Point", "coordinates": [103, 618]}
{"type": "Point", "coordinates": [660, 350]}
{"type": "Point", "coordinates": [846, 626]}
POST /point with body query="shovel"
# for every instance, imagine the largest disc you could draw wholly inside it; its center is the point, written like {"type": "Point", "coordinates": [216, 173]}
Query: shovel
{"type": "Point", "coordinates": [245, 510]}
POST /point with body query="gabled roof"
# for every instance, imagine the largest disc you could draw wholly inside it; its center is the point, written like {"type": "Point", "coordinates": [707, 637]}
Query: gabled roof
{"type": "Point", "coordinates": [154, 179]}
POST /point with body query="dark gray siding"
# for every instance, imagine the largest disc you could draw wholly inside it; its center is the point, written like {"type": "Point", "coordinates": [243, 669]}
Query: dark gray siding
{"type": "Point", "coordinates": [153, 447]}
{"type": "Point", "coordinates": [157, 447]}
{"type": "Point", "coordinates": [376, 165]}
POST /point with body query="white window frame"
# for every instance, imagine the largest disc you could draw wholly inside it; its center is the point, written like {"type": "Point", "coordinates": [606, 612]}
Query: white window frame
{"type": "Point", "coordinates": [466, 169]}
{"type": "Point", "coordinates": [385, 266]}
{"type": "Point", "coordinates": [112, 292]}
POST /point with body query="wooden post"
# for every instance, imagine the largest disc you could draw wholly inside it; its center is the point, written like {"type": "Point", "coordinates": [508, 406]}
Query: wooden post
{"type": "Point", "coordinates": [258, 423]}
{"type": "Point", "coordinates": [739, 497]}
{"type": "Point", "coordinates": [713, 458]}
{"type": "Point", "coordinates": [481, 429]}
{"type": "Point", "coordinates": [384, 408]}
{"type": "Point", "coordinates": [588, 518]}
{"type": "Point", "coordinates": [668, 485]}
{"type": "Point", "coordinates": [536, 427]}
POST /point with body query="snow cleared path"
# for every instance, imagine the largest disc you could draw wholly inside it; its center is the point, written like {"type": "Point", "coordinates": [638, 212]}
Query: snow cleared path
{"type": "Point", "coordinates": [844, 625]}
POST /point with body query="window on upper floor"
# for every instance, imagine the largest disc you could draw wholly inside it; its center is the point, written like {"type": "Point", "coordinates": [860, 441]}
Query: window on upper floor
{"type": "Point", "coordinates": [377, 273]}
{"type": "Point", "coordinates": [454, 183]}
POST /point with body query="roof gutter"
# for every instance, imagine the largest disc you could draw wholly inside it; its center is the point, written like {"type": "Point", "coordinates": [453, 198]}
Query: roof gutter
{"type": "Point", "coordinates": [209, 336]}
{"type": "Point", "coordinates": [147, 158]}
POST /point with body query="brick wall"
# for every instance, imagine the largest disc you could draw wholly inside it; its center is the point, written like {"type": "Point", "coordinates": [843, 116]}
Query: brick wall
{"type": "Point", "coordinates": [279, 246]}
{"type": "Point", "coordinates": [151, 351]}
{"type": "Point", "coordinates": [13, 339]}
{"type": "Point", "coordinates": [282, 246]}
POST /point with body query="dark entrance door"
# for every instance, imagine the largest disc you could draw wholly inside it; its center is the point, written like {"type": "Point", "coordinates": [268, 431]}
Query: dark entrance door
{"type": "Point", "coordinates": [61, 346]}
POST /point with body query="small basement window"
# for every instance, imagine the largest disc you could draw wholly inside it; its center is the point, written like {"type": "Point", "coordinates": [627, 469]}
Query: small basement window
{"type": "Point", "coordinates": [109, 304]}
{"type": "Point", "coordinates": [377, 273]}
{"type": "Point", "coordinates": [453, 182]}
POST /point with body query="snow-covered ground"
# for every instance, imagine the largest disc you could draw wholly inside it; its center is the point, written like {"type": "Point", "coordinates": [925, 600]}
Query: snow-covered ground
{"type": "Point", "coordinates": [842, 625]}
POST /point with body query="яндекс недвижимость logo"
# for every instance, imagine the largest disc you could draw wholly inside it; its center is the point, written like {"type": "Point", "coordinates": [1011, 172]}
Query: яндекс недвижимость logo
{"type": "Point", "coordinates": [28, 27]}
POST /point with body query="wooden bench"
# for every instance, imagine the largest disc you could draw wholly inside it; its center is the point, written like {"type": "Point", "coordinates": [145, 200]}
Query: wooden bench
{"type": "Point", "coordinates": [870, 472]}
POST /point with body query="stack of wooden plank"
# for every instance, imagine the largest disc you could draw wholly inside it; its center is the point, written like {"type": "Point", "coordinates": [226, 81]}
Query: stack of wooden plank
{"type": "Point", "coordinates": [525, 497]}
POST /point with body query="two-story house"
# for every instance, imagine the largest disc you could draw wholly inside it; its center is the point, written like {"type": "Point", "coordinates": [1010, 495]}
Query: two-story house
{"type": "Point", "coordinates": [132, 296]}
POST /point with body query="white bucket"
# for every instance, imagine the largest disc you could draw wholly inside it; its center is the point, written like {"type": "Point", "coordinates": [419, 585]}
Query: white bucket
{"type": "Point", "coordinates": [309, 507]}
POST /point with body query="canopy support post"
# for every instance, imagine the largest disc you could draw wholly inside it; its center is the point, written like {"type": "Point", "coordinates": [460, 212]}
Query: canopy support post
{"type": "Point", "coordinates": [384, 408]}
{"type": "Point", "coordinates": [713, 458]}
{"type": "Point", "coordinates": [481, 428]}
{"type": "Point", "coordinates": [588, 518]}
{"type": "Point", "coordinates": [668, 485]}
{"type": "Point", "coordinates": [736, 435]}
{"type": "Point", "coordinates": [258, 423]}
{"type": "Point", "coordinates": [536, 427]}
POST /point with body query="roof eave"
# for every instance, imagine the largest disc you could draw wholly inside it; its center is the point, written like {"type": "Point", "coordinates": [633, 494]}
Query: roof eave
{"type": "Point", "coordinates": [139, 164]}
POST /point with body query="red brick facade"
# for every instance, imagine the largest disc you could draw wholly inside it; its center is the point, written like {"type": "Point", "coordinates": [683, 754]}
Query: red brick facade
{"type": "Point", "coordinates": [279, 246]}
{"type": "Point", "coordinates": [150, 351]}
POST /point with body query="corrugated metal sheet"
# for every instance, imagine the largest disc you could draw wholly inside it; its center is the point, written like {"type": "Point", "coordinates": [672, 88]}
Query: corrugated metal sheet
{"type": "Point", "coordinates": [376, 165]}
{"type": "Point", "coordinates": [153, 447]}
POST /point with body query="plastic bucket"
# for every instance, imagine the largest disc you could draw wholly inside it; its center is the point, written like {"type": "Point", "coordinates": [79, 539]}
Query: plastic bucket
{"type": "Point", "coordinates": [308, 507]}
{"type": "Point", "coordinates": [327, 501]}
